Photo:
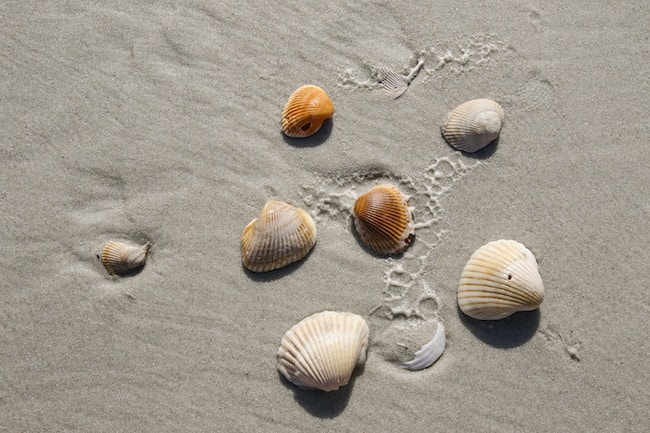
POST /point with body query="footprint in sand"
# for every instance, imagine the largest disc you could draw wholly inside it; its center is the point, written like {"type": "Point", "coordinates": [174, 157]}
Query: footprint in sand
{"type": "Point", "coordinates": [407, 313]}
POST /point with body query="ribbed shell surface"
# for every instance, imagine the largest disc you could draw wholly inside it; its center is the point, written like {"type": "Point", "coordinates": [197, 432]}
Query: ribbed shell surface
{"type": "Point", "coordinates": [305, 111]}
{"type": "Point", "coordinates": [119, 258]}
{"type": "Point", "coordinates": [383, 220]}
{"type": "Point", "coordinates": [281, 235]}
{"type": "Point", "coordinates": [322, 350]}
{"type": "Point", "coordinates": [473, 125]}
{"type": "Point", "coordinates": [500, 279]}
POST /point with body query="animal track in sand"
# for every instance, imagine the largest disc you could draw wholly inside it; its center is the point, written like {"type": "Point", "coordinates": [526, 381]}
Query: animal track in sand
{"type": "Point", "coordinates": [570, 345]}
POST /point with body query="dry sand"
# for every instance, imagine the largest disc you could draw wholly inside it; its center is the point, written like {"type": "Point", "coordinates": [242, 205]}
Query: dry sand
{"type": "Point", "coordinates": [159, 122]}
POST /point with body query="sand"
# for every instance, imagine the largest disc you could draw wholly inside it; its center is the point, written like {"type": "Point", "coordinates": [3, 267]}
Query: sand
{"type": "Point", "coordinates": [159, 122]}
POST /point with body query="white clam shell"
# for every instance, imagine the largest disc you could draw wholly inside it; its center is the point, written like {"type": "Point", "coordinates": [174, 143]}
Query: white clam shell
{"type": "Point", "coordinates": [473, 125]}
{"type": "Point", "coordinates": [322, 350]}
{"type": "Point", "coordinates": [500, 278]}
{"type": "Point", "coordinates": [119, 258]}
{"type": "Point", "coordinates": [430, 352]}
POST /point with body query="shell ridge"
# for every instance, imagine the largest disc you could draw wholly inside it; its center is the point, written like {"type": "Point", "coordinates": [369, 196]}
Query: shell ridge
{"type": "Point", "coordinates": [302, 366]}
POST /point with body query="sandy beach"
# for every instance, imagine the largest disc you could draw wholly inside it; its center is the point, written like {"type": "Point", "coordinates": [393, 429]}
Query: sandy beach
{"type": "Point", "coordinates": [159, 122]}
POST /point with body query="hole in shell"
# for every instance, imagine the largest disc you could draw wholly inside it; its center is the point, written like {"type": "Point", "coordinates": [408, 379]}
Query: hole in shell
{"type": "Point", "coordinates": [306, 126]}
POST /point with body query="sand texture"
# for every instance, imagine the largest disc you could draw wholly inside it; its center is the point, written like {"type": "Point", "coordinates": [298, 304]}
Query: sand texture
{"type": "Point", "coordinates": [159, 122]}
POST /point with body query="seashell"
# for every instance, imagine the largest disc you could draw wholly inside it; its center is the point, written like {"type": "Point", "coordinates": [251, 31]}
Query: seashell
{"type": "Point", "coordinates": [393, 84]}
{"type": "Point", "coordinates": [429, 353]}
{"type": "Point", "coordinates": [281, 235]}
{"type": "Point", "coordinates": [322, 350]}
{"type": "Point", "coordinates": [500, 279]}
{"type": "Point", "coordinates": [305, 111]}
{"type": "Point", "coordinates": [383, 220]}
{"type": "Point", "coordinates": [120, 259]}
{"type": "Point", "coordinates": [473, 125]}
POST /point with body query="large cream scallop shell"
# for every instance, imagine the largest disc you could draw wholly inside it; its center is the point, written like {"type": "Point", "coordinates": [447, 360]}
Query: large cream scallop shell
{"type": "Point", "coordinates": [119, 258]}
{"type": "Point", "coordinates": [322, 350]}
{"type": "Point", "coordinates": [306, 110]}
{"type": "Point", "coordinates": [473, 125]}
{"type": "Point", "coordinates": [383, 219]}
{"type": "Point", "coordinates": [500, 279]}
{"type": "Point", "coordinates": [281, 235]}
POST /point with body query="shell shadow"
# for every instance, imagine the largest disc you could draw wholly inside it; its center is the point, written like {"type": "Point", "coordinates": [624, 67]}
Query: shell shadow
{"type": "Point", "coordinates": [486, 152]}
{"type": "Point", "coordinates": [314, 140]}
{"type": "Point", "coordinates": [506, 333]}
{"type": "Point", "coordinates": [320, 403]}
{"type": "Point", "coordinates": [372, 252]}
{"type": "Point", "coordinates": [277, 273]}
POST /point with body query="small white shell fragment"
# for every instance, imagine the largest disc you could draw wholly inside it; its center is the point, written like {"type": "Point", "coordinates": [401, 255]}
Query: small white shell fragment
{"type": "Point", "coordinates": [430, 352]}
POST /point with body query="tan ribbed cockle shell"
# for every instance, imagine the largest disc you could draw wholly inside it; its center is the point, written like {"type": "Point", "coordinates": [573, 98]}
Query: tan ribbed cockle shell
{"type": "Point", "coordinates": [119, 258]}
{"type": "Point", "coordinates": [473, 125]}
{"type": "Point", "coordinates": [322, 350]}
{"type": "Point", "coordinates": [281, 235]}
{"type": "Point", "coordinates": [500, 279]}
{"type": "Point", "coordinates": [383, 219]}
{"type": "Point", "coordinates": [305, 111]}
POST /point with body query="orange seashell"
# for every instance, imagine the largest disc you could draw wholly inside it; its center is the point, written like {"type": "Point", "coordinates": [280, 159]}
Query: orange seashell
{"type": "Point", "coordinates": [281, 235]}
{"type": "Point", "coordinates": [383, 220]}
{"type": "Point", "coordinates": [305, 111]}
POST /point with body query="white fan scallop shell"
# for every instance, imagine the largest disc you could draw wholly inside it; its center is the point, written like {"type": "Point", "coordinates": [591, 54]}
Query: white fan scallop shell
{"type": "Point", "coordinates": [322, 350]}
{"type": "Point", "coordinates": [500, 278]}
{"type": "Point", "coordinates": [473, 125]}
{"type": "Point", "coordinates": [429, 353]}
{"type": "Point", "coordinates": [119, 258]}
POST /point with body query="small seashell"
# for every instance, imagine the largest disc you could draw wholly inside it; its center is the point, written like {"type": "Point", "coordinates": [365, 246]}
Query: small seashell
{"type": "Point", "coordinates": [429, 353]}
{"type": "Point", "coordinates": [322, 350]}
{"type": "Point", "coordinates": [305, 111]}
{"type": "Point", "coordinates": [393, 84]}
{"type": "Point", "coordinates": [500, 279]}
{"type": "Point", "coordinates": [120, 259]}
{"type": "Point", "coordinates": [384, 220]}
{"type": "Point", "coordinates": [473, 125]}
{"type": "Point", "coordinates": [281, 235]}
